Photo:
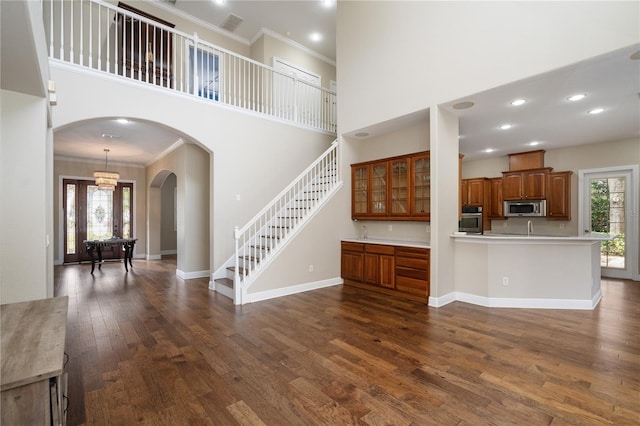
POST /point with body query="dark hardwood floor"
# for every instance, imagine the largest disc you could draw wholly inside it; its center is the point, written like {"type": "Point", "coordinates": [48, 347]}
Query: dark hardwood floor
{"type": "Point", "coordinates": [146, 347]}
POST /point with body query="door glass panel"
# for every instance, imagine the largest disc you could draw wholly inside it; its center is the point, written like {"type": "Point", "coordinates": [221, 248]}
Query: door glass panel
{"type": "Point", "coordinates": [71, 219]}
{"type": "Point", "coordinates": [360, 190]}
{"type": "Point", "coordinates": [399, 187]}
{"type": "Point", "coordinates": [126, 212]}
{"type": "Point", "coordinates": [422, 186]}
{"type": "Point", "coordinates": [379, 189]}
{"type": "Point", "coordinates": [608, 216]}
{"type": "Point", "coordinates": [99, 213]}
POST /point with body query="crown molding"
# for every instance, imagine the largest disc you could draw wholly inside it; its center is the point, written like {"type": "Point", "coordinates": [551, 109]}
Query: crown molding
{"type": "Point", "coordinates": [173, 147]}
{"type": "Point", "coordinates": [86, 160]}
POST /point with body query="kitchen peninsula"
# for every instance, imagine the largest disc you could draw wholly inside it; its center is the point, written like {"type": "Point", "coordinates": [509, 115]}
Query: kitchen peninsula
{"type": "Point", "coordinates": [520, 271]}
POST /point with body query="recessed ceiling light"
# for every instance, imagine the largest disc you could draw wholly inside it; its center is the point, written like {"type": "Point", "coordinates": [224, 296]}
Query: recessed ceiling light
{"type": "Point", "coordinates": [463, 105]}
{"type": "Point", "coordinates": [122, 121]}
{"type": "Point", "coordinates": [219, 1]}
{"type": "Point", "coordinates": [109, 136]}
{"type": "Point", "coordinates": [518, 102]}
{"type": "Point", "coordinates": [534, 143]}
{"type": "Point", "coordinates": [576, 97]}
{"type": "Point", "coordinates": [488, 150]}
{"type": "Point", "coordinates": [595, 111]}
{"type": "Point", "coordinates": [505, 126]}
{"type": "Point", "coordinates": [315, 36]}
{"type": "Point", "coordinates": [328, 3]}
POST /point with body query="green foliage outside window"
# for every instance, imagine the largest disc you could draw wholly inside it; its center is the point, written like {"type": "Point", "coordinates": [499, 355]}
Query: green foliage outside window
{"type": "Point", "coordinates": [600, 206]}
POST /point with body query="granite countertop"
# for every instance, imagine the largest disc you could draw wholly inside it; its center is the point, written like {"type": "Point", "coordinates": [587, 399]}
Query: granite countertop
{"type": "Point", "coordinates": [375, 240]}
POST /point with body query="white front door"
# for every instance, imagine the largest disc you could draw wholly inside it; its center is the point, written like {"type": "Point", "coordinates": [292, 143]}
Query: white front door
{"type": "Point", "coordinates": [608, 200]}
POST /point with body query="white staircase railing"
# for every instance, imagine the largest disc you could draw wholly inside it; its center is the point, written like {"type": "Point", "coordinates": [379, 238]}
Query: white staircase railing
{"type": "Point", "coordinates": [102, 37]}
{"type": "Point", "coordinates": [258, 242]}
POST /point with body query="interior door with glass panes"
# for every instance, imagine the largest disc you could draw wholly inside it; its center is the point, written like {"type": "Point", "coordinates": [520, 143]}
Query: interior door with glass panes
{"type": "Point", "coordinates": [92, 213]}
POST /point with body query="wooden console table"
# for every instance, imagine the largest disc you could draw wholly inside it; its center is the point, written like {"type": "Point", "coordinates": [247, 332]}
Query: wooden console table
{"type": "Point", "coordinates": [32, 353]}
{"type": "Point", "coordinates": [127, 244]}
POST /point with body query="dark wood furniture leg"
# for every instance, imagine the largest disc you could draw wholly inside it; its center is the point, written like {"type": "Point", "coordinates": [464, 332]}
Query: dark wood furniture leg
{"type": "Point", "coordinates": [93, 259]}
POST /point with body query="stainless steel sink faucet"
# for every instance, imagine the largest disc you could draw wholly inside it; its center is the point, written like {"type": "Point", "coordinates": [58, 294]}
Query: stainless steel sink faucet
{"type": "Point", "coordinates": [529, 228]}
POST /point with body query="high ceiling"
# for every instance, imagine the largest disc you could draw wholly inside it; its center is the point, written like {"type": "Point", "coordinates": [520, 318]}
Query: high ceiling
{"type": "Point", "coordinates": [611, 81]}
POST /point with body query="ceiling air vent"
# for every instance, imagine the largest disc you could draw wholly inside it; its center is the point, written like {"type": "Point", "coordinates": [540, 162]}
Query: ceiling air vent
{"type": "Point", "coordinates": [232, 22]}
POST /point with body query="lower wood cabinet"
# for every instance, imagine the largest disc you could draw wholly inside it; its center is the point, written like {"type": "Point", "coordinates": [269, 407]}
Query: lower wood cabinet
{"type": "Point", "coordinates": [397, 270]}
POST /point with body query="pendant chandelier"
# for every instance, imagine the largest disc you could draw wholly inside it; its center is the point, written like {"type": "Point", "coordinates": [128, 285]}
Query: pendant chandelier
{"type": "Point", "coordinates": [104, 179]}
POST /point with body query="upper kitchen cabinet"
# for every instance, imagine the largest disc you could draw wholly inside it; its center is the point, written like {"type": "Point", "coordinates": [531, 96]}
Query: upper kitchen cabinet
{"type": "Point", "coordinates": [559, 196]}
{"type": "Point", "coordinates": [525, 185]}
{"type": "Point", "coordinates": [421, 187]}
{"type": "Point", "coordinates": [399, 169]}
{"type": "Point", "coordinates": [475, 191]}
{"type": "Point", "coordinates": [396, 188]}
{"type": "Point", "coordinates": [496, 205]}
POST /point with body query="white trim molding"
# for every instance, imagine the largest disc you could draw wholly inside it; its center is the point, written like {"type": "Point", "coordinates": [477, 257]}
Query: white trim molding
{"type": "Point", "coordinates": [287, 291]}
{"type": "Point", "coordinates": [502, 302]}
{"type": "Point", "coordinates": [191, 275]}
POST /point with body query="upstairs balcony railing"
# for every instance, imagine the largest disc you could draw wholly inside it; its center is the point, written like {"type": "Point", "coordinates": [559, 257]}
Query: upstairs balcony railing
{"type": "Point", "coordinates": [106, 38]}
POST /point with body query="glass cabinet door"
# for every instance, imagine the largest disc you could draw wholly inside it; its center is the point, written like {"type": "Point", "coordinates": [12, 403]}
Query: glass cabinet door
{"type": "Point", "coordinates": [400, 187]}
{"type": "Point", "coordinates": [379, 188]}
{"type": "Point", "coordinates": [359, 181]}
{"type": "Point", "coordinates": [421, 202]}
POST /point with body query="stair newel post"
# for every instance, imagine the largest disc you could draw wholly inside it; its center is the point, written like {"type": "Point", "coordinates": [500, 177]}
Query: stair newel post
{"type": "Point", "coordinates": [236, 276]}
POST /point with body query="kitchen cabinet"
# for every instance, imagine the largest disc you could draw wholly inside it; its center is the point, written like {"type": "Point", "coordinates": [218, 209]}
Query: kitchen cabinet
{"type": "Point", "coordinates": [559, 196]}
{"type": "Point", "coordinates": [399, 170]}
{"type": "Point", "coordinates": [421, 186]}
{"type": "Point", "coordinates": [394, 270]}
{"type": "Point", "coordinates": [379, 262]}
{"type": "Point", "coordinates": [464, 192]}
{"type": "Point", "coordinates": [396, 188]}
{"type": "Point", "coordinates": [474, 191]}
{"type": "Point", "coordinates": [352, 261]}
{"type": "Point", "coordinates": [496, 205]}
{"type": "Point", "coordinates": [525, 185]}
{"type": "Point", "coordinates": [412, 271]}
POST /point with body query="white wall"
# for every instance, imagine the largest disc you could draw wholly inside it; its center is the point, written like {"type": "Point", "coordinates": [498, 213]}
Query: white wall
{"type": "Point", "coordinates": [25, 234]}
{"type": "Point", "coordinates": [456, 49]}
{"type": "Point", "coordinates": [399, 57]}
{"type": "Point", "coordinates": [253, 157]}
{"type": "Point", "coordinates": [168, 234]}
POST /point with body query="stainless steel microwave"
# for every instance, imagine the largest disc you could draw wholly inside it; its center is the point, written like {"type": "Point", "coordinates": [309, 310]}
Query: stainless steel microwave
{"type": "Point", "coordinates": [529, 208]}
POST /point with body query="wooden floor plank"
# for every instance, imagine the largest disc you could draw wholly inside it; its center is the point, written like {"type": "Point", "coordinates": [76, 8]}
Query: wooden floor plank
{"type": "Point", "coordinates": [146, 347]}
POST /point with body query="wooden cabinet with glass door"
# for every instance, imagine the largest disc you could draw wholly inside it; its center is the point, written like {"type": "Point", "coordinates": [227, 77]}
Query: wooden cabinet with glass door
{"type": "Point", "coordinates": [399, 170]}
{"type": "Point", "coordinates": [396, 188]}
{"type": "Point", "coordinates": [421, 187]}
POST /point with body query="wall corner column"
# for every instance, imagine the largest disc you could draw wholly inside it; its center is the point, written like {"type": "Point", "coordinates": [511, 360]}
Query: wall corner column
{"type": "Point", "coordinates": [444, 200]}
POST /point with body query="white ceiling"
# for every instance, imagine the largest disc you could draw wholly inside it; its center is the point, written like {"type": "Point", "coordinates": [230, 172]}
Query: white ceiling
{"type": "Point", "coordinates": [611, 81]}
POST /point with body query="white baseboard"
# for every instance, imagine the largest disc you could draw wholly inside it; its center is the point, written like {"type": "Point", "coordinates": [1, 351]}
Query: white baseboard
{"type": "Point", "coordinates": [166, 252]}
{"type": "Point", "coordinates": [287, 291]}
{"type": "Point", "coordinates": [191, 275]}
{"type": "Point", "coordinates": [154, 256]}
{"type": "Point", "coordinates": [501, 302]}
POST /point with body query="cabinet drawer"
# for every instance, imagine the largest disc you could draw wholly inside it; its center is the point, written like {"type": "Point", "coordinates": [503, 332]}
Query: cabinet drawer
{"type": "Point", "coordinates": [411, 285]}
{"type": "Point", "coordinates": [413, 263]}
{"type": "Point", "coordinates": [418, 274]}
{"type": "Point", "coordinates": [379, 249]}
{"type": "Point", "coordinates": [352, 246]}
{"type": "Point", "coordinates": [420, 253]}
